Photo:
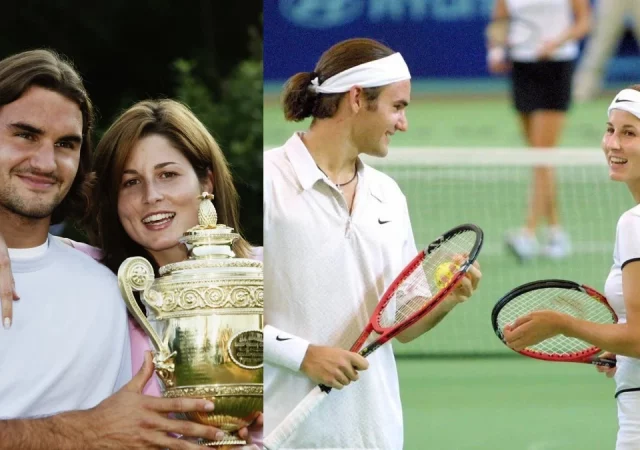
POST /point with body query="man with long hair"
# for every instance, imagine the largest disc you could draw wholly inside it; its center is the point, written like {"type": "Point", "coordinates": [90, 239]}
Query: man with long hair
{"type": "Point", "coordinates": [337, 232]}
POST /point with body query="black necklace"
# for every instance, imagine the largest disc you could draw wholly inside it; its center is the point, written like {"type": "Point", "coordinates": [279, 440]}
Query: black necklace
{"type": "Point", "coordinates": [340, 185]}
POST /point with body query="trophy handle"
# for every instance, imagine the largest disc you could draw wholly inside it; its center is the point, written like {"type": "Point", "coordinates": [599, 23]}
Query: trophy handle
{"type": "Point", "coordinates": [136, 274]}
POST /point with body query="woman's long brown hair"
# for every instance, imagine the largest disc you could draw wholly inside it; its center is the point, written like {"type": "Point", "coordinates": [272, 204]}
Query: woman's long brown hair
{"type": "Point", "coordinates": [175, 122]}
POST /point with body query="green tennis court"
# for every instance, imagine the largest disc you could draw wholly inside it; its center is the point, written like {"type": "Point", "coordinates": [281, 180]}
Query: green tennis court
{"type": "Point", "coordinates": [505, 404]}
{"type": "Point", "coordinates": [461, 388]}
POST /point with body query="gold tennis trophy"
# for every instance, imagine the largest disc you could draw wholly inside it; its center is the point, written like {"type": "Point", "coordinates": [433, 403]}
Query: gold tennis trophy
{"type": "Point", "coordinates": [205, 319]}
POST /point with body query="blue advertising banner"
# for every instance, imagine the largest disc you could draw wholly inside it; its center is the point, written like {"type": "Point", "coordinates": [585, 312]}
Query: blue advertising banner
{"type": "Point", "coordinates": [438, 38]}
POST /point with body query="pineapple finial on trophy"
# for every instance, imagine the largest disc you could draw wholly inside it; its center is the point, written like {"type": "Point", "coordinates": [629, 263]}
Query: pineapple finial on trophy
{"type": "Point", "coordinates": [209, 239]}
{"type": "Point", "coordinates": [207, 216]}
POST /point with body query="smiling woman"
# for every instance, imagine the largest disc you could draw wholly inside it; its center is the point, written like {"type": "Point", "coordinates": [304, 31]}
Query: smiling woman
{"type": "Point", "coordinates": [156, 201]}
{"type": "Point", "coordinates": [151, 164]}
{"type": "Point", "coordinates": [621, 341]}
{"type": "Point", "coordinates": [621, 139]}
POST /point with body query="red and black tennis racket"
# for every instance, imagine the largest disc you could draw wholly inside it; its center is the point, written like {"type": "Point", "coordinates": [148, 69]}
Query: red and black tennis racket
{"type": "Point", "coordinates": [412, 295]}
{"type": "Point", "coordinates": [577, 300]}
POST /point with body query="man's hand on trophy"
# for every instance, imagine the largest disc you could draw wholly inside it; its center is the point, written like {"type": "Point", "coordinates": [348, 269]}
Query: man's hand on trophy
{"type": "Point", "coordinates": [7, 285]}
{"type": "Point", "coordinates": [130, 420]}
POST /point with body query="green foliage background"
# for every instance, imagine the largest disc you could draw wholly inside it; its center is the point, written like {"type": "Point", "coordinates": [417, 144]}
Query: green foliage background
{"type": "Point", "coordinates": [235, 120]}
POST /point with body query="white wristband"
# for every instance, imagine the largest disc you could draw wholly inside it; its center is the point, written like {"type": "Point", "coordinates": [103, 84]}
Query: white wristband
{"type": "Point", "coordinates": [496, 55]}
{"type": "Point", "coordinates": [284, 349]}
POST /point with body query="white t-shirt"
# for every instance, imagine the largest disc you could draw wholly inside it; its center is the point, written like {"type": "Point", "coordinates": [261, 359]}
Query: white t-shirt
{"type": "Point", "coordinates": [627, 249]}
{"type": "Point", "coordinates": [324, 274]}
{"type": "Point", "coordinates": [551, 18]}
{"type": "Point", "coordinates": [68, 347]}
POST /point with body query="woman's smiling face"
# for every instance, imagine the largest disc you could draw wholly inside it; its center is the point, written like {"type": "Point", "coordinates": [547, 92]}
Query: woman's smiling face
{"type": "Point", "coordinates": [158, 196]}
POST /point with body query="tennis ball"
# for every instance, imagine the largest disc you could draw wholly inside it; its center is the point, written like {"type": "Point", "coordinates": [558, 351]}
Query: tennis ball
{"type": "Point", "coordinates": [444, 271]}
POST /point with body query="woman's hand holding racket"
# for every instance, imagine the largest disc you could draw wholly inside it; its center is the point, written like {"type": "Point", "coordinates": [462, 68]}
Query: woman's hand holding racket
{"type": "Point", "coordinates": [534, 328]}
{"type": "Point", "coordinates": [607, 369]}
{"type": "Point", "coordinates": [533, 319]}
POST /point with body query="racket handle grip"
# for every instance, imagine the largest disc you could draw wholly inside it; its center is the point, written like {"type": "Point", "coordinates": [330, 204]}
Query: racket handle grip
{"type": "Point", "coordinates": [608, 362]}
{"type": "Point", "coordinates": [294, 419]}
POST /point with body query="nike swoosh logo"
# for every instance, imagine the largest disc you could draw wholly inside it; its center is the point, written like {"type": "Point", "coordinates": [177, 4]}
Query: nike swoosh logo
{"type": "Point", "coordinates": [381, 222]}
{"type": "Point", "coordinates": [620, 100]}
{"type": "Point", "coordinates": [278, 338]}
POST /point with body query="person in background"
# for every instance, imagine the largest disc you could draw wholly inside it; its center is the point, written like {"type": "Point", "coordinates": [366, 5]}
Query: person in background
{"type": "Point", "coordinates": [621, 146]}
{"type": "Point", "coordinates": [610, 21]}
{"type": "Point", "coordinates": [541, 71]}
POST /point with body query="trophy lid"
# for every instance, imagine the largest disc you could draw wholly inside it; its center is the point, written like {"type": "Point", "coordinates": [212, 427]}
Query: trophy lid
{"type": "Point", "coordinates": [209, 243]}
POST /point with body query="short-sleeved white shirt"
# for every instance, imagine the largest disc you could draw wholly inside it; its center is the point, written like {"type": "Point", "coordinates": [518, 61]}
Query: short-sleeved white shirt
{"type": "Point", "coordinates": [627, 249]}
{"type": "Point", "coordinates": [324, 274]}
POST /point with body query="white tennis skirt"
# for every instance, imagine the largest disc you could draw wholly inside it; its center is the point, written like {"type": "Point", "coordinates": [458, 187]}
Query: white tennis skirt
{"type": "Point", "coordinates": [628, 421]}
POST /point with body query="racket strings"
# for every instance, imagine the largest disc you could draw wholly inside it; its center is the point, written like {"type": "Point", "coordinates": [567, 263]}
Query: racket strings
{"type": "Point", "coordinates": [420, 286]}
{"type": "Point", "coordinates": [574, 303]}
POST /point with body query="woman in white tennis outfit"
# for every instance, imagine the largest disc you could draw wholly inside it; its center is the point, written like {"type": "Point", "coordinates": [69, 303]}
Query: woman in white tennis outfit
{"type": "Point", "coordinates": [541, 69]}
{"type": "Point", "coordinates": [621, 145]}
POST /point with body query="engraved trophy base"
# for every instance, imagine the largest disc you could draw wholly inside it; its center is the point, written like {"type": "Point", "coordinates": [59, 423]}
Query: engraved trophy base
{"type": "Point", "coordinates": [237, 406]}
{"type": "Point", "coordinates": [229, 440]}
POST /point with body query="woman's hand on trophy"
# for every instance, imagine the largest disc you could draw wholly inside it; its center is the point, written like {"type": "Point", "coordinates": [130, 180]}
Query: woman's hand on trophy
{"type": "Point", "coordinates": [7, 285]}
{"type": "Point", "coordinates": [130, 420]}
{"type": "Point", "coordinates": [253, 435]}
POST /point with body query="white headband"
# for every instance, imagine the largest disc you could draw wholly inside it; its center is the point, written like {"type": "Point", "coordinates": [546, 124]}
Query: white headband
{"type": "Point", "coordinates": [627, 100]}
{"type": "Point", "coordinates": [379, 72]}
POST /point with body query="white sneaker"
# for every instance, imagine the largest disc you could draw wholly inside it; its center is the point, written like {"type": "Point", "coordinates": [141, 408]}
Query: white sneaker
{"type": "Point", "coordinates": [522, 245]}
{"type": "Point", "coordinates": [558, 245]}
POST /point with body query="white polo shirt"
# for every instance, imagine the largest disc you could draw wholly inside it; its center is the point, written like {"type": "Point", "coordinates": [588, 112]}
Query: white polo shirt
{"type": "Point", "coordinates": [324, 274]}
{"type": "Point", "coordinates": [627, 249]}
